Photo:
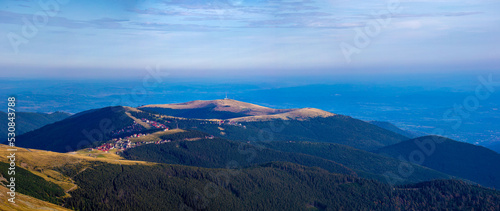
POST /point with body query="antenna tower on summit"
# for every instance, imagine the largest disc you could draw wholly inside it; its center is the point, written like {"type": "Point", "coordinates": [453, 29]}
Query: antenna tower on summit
{"type": "Point", "coordinates": [226, 97]}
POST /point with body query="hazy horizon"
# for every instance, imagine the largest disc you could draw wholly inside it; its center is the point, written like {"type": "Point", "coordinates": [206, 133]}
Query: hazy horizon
{"type": "Point", "coordinates": [243, 38]}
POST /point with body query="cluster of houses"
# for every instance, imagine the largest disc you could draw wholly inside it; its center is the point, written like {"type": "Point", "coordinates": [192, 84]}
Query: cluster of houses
{"type": "Point", "coordinates": [135, 127]}
{"type": "Point", "coordinates": [154, 123]}
{"type": "Point", "coordinates": [223, 122]}
{"type": "Point", "coordinates": [125, 143]}
{"type": "Point", "coordinates": [229, 122]}
{"type": "Point", "coordinates": [122, 144]}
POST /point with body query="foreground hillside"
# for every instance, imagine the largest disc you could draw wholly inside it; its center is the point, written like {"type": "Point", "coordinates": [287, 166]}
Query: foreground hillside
{"type": "Point", "coordinates": [25, 203]}
{"type": "Point", "coordinates": [109, 184]}
{"type": "Point", "coordinates": [40, 180]}
{"type": "Point", "coordinates": [272, 186]}
{"type": "Point", "coordinates": [46, 164]}
{"type": "Point", "coordinates": [464, 160]}
{"type": "Point", "coordinates": [31, 184]}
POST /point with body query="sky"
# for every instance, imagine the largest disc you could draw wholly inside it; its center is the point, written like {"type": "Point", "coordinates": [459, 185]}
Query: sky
{"type": "Point", "coordinates": [243, 38]}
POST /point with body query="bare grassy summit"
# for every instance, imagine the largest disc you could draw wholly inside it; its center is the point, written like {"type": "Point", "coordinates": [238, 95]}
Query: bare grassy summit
{"type": "Point", "coordinates": [297, 114]}
{"type": "Point", "coordinates": [245, 111]}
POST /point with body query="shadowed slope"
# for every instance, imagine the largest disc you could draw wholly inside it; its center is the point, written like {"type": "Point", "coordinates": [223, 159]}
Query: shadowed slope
{"type": "Point", "coordinates": [464, 160]}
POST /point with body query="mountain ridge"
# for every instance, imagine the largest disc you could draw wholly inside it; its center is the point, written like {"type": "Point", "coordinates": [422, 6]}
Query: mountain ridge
{"type": "Point", "coordinates": [391, 127]}
{"type": "Point", "coordinates": [468, 161]}
{"type": "Point", "coordinates": [28, 121]}
{"type": "Point", "coordinates": [78, 131]}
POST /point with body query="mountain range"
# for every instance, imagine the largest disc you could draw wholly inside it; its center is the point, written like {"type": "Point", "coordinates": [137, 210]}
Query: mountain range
{"type": "Point", "coordinates": [85, 129]}
{"type": "Point", "coordinates": [227, 154]}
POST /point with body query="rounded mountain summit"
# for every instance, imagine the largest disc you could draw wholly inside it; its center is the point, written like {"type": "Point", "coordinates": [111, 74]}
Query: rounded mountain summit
{"type": "Point", "coordinates": [233, 110]}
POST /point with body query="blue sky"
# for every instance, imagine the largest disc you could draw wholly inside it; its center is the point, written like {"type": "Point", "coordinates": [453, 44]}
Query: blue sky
{"type": "Point", "coordinates": [203, 38]}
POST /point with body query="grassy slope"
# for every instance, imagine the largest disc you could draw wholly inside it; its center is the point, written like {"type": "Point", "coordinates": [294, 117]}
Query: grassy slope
{"type": "Point", "coordinates": [198, 113]}
{"type": "Point", "coordinates": [25, 203]}
{"type": "Point", "coordinates": [144, 124]}
{"type": "Point", "coordinates": [298, 114]}
{"type": "Point", "coordinates": [233, 110]}
{"type": "Point", "coordinates": [226, 105]}
{"type": "Point", "coordinates": [43, 163]}
{"type": "Point", "coordinates": [157, 135]}
{"type": "Point", "coordinates": [32, 184]}
{"type": "Point", "coordinates": [48, 165]}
